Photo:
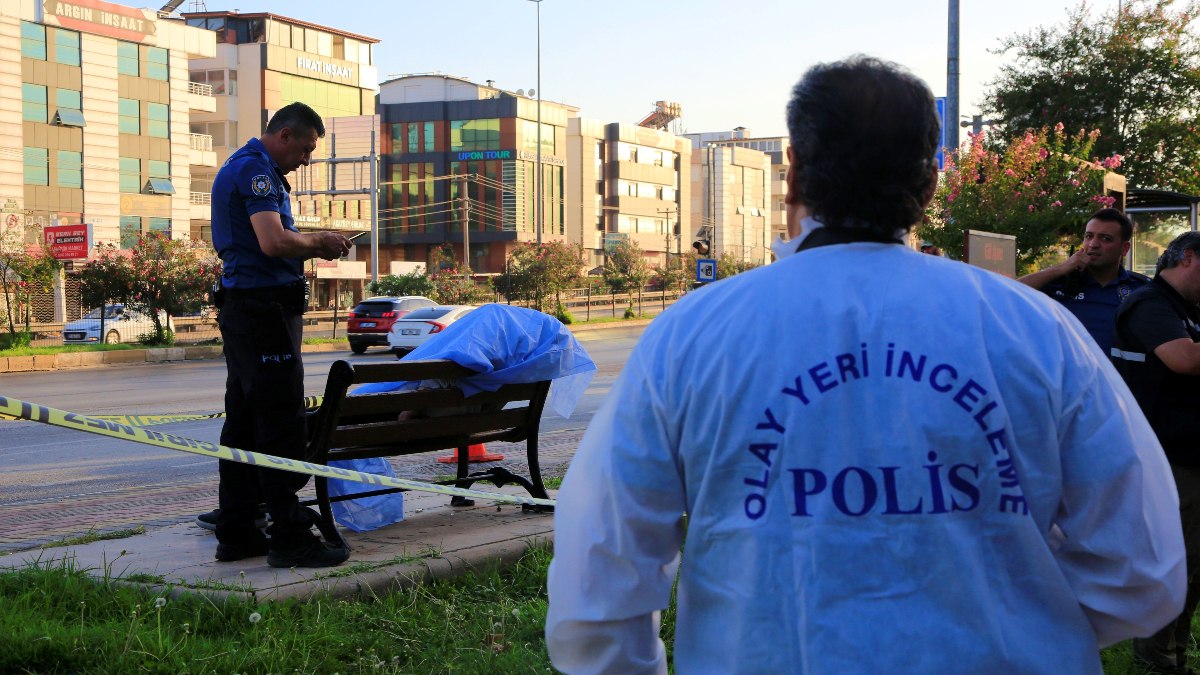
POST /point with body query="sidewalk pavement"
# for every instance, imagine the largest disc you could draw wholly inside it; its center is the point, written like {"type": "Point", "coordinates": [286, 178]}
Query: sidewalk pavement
{"type": "Point", "coordinates": [434, 541]}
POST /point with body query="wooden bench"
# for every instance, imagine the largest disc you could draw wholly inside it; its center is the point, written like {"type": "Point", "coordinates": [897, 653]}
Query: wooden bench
{"type": "Point", "coordinates": [356, 426]}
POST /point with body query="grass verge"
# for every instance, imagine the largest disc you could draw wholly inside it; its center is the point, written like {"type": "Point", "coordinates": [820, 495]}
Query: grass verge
{"type": "Point", "coordinates": [55, 619]}
{"type": "Point", "coordinates": [93, 535]}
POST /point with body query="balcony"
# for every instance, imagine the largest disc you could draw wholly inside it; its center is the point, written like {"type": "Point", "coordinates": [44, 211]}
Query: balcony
{"type": "Point", "coordinates": [200, 150]}
{"type": "Point", "coordinates": [200, 97]}
{"type": "Point", "coordinates": [200, 206]}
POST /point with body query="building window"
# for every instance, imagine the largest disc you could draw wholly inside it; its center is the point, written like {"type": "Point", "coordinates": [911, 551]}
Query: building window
{"type": "Point", "coordinates": [131, 227]}
{"type": "Point", "coordinates": [160, 225]}
{"type": "Point", "coordinates": [414, 137]}
{"type": "Point", "coordinates": [158, 119]}
{"type": "Point", "coordinates": [159, 169]}
{"type": "Point", "coordinates": [529, 138]}
{"type": "Point", "coordinates": [37, 166]}
{"type": "Point", "coordinates": [156, 63]}
{"type": "Point", "coordinates": [70, 169]}
{"type": "Point", "coordinates": [475, 134]}
{"type": "Point", "coordinates": [33, 41]}
{"type": "Point", "coordinates": [66, 47]}
{"type": "Point", "coordinates": [68, 99]}
{"type": "Point", "coordinates": [127, 59]}
{"type": "Point", "coordinates": [129, 116]}
{"type": "Point", "coordinates": [33, 102]}
{"type": "Point", "coordinates": [131, 175]}
{"type": "Point", "coordinates": [430, 137]}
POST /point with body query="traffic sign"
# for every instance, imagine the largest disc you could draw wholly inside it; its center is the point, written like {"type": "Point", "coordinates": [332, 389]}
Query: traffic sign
{"type": "Point", "coordinates": [706, 270]}
{"type": "Point", "coordinates": [940, 104]}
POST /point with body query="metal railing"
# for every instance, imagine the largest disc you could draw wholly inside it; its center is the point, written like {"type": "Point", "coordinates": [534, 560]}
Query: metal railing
{"type": "Point", "coordinates": [200, 142]}
{"type": "Point", "coordinates": [200, 198]}
{"type": "Point", "coordinates": [200, 88]}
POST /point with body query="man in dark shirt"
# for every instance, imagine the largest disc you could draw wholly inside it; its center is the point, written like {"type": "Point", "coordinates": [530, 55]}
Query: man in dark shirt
{"type": "Point", "coordinates": [1156, 348]}
{"type": "Point", "coordinates": [1092, 283]}
{"type": "Point", "coordinates": [262, 304]}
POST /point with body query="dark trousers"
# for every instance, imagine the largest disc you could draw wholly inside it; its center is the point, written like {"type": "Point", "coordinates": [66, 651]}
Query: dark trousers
{"type": "Point", "coordinates": [1167, 648]}
{"type": "Point", "coordinates": [264, 407]}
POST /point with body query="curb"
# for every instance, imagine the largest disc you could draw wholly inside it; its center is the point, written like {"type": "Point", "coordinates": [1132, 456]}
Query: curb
{"type": "Point", "coordinates": [68, 360]}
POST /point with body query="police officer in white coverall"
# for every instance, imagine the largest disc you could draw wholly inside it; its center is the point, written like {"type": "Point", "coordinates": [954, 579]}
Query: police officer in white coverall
{"type": "Point", "coordinates": [966, 489]}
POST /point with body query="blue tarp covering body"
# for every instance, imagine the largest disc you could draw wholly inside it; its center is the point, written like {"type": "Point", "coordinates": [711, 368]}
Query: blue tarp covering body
{"type": "Point", "coordinates": [505, 345]}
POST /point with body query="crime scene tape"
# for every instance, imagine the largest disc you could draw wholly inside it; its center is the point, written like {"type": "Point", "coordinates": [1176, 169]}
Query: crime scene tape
{"type": "Point", "coordinates": [310, 403]}
{"type": "Point", "coordinates": [68, 420]}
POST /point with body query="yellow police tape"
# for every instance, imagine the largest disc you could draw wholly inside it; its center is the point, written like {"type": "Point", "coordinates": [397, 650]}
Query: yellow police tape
{"type": "Point", "coordinates": [24, 410]}
{"type": "Point", "coordinates": [310, 403]}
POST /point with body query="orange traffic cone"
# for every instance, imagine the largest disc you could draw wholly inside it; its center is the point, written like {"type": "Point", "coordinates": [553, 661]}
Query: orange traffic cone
{"type": "Point", "coordinates": [475, 453]}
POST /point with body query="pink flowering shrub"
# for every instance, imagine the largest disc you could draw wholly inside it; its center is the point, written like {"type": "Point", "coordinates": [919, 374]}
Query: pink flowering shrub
{"type": "Point", "coordinates": [1037, 189]}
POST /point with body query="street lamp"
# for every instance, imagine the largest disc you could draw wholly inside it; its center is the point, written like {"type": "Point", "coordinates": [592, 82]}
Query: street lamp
{"type": "Point", "coordinates": [537, 190]}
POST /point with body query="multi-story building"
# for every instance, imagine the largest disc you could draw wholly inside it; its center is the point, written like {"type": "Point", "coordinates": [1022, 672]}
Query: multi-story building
{"type": "Point", "coordinates": [95, 104]}
{"type": "Point", "coordinates": [263, 61]}
{"type": "Point", "coordinates": [731, 201]}
{"type": "Point", "coordinates": [455, 151]}
{"type": "Point", "coordinates": [627, 182]}
{"type": "Point", "coordinates": [775, 147]}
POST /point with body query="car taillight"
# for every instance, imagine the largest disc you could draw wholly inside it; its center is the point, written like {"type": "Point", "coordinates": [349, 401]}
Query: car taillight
{"type": "Point", "coordinates": [388, 315]}
{"type": "Point", "coordinates": [437, 327]}
{"type": "Point", "coordinates": [354, 315]}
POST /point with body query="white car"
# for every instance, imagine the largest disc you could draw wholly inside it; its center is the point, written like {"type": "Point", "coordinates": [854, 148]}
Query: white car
{"type": "Point", "coordinates": [120, 325]}
{"type": "Point", "coordinates": [416, 327]}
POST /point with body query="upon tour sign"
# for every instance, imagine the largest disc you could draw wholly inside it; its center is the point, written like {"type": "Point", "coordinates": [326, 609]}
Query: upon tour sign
{"type": "Point", "coordinates": [69, 242]}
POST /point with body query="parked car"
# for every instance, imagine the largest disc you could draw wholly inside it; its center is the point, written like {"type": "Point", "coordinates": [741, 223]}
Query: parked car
{"type": "Point", "coordinates": [419, 325]}
{"type": "Point", "coordinates": [371, 319]}
{"type": "Point", "coordinates": [120, 325]}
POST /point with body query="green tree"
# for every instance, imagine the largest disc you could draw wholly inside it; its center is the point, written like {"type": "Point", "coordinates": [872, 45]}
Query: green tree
{"type": "Point", "coordinates": [534, 272]}
{"type": "Point", "coordinates": [1134, 76]}
{"type": "Point", "coordinates": [1034, 189]}
{"type": "Point", "coordinates": [413, 283]}
{"type": "Point", "coordinates": [26, 269]}
{"type": "Point", "coordinates": [159, 274]}
{"type": "Point", "coordinates": [676, 273]}
{"type": "Point", "coordinates": [626, 269]}
{"type": "Point", "coordinates": [728, 265]}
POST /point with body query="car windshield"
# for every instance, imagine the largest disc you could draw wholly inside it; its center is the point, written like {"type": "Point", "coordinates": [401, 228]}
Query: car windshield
{"type": "Point", "coordinates": [427, 313]}
{"type": "Point", "coordinates": [110, 312]}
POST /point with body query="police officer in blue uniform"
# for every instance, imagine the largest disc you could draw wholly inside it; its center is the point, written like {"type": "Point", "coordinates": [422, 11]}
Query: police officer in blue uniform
{"type": "Point", "coordinates": [1092, 283]}
{"type": "Point", "coordinates": [261, 302]}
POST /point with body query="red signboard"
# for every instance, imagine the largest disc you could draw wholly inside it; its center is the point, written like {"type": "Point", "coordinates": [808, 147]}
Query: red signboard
{"type": "Point", "coordinates": [69, 242]}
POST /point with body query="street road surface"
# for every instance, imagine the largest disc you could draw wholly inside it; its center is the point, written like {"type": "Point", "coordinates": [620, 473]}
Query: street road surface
{"type": "Point", "coordinates": [40, 464]}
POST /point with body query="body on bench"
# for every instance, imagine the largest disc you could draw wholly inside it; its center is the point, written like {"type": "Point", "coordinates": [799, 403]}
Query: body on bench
{"type": "Point", "coordinates": [436, 416]}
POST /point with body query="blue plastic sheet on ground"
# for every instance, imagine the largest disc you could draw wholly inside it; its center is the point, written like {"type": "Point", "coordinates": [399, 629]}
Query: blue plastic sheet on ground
{"type": "Point", "coordinates": [505, 345]}
{"type": "Point", "coordinates": [365, 513]}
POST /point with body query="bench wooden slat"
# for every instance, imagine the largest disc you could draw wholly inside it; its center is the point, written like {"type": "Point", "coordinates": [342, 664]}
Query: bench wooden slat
{"type": "Point", "coordinates": [396, 423]}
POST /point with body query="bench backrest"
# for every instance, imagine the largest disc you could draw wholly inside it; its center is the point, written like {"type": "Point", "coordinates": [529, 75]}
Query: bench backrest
{"type": "Point", "coordinates": [351, 426]}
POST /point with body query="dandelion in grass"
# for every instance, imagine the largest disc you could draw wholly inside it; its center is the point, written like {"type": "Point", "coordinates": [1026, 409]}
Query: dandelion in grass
{"type": "Point", "coordinates": [159, 603]}
{"type": "Point", "coordinates": [255, 617]}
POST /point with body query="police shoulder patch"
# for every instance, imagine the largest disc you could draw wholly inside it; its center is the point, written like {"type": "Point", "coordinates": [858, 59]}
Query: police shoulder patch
{"type": "Point", "coordinates": [260, 185]}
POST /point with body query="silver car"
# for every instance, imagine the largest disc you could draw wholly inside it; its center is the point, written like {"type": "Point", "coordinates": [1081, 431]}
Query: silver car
{"type": "Point", "coordinates": [119, 325]}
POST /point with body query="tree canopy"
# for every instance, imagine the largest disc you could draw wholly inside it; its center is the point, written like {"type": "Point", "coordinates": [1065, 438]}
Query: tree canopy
{"type": "Point", "coordinates": [1134, 76]}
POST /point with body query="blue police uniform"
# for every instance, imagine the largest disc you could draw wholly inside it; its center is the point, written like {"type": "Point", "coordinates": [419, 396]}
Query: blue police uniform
{"type": "Point", "coordinates": [261, 323]}
{"type": "Point", "coordinates": [1094, 305]}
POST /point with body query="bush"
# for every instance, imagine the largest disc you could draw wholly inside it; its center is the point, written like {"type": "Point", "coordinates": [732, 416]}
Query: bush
{"type": "Point", "coordinates": [629, 313]}
{"type": "Point", "coordinates": [16, 340]}
{"type": "Point", "coordinates": [150, 340]}
{"type": "Point", "coordinates": [563, 314]}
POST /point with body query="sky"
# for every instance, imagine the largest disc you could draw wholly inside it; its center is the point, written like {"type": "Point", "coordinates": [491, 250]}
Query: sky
{"type": "Point", "coordinates": [728, 63]}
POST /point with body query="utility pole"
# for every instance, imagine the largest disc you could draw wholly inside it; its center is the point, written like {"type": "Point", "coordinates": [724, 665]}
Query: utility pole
{"type": "Point", "coordinates": [466, 224]}
{"type": "Point", "coordinates": [951, 130]}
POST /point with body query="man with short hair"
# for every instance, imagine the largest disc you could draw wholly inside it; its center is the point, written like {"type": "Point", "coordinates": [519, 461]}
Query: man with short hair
{"type": "Point", "coordinates": [866, 489]}
{"type": "Point", "coordinates": [1092, 282]}
{"type": "Point", "coordinates": [261, 307]}
{"type": "Point", "coordinates": [1157, 350]}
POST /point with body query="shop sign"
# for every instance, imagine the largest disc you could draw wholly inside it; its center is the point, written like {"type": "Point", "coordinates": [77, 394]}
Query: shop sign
{"type": "Point", "coordinates": [324, 67]}
{"type": "Point", "coordinates": [68, 242]}
{"type": "Point", "coordinates": [150, 206]}
{"type": "Point", "coordinates": [100, 18]}
{"type": "Point", "coordinates": [546, 158]}
{"type": "Point", "coordinates": [481, 155]}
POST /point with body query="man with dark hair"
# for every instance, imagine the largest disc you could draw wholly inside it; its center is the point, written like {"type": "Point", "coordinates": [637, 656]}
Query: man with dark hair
{"type": "Point", "coordinates": [866, 488]}
{"type": "Point", "coordinates": [1092, 283]}
{"type": "Point", "coordinates": [1157, 350]}
{"type": "Point", "coordinates": [261, 306]}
